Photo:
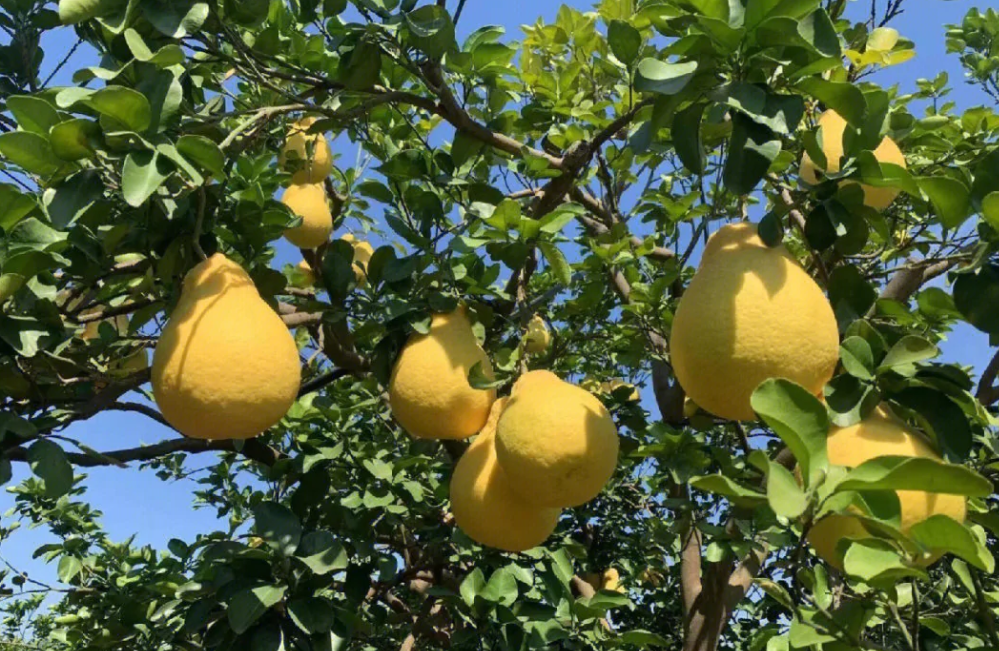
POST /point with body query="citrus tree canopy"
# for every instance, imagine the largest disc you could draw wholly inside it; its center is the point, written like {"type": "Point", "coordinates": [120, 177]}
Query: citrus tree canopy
{"type": "Point", "coordinates": [620, 332]}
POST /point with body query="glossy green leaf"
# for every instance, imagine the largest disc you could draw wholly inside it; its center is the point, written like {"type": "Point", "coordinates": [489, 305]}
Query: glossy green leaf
{"type": "Point", "coordinates": [857, 357]}
{"type": "Point", "coordinates": [126, 106]}
{"type": "Point", "coordinates": [431, 30]}
{"type": "Point", "coordinates": [784, 493]}
{"type": "Point", "coordinates": [729, 489]}
{"type": "Point", "coordinates": [663, 78]}
{"type": "Point", "coordinates": [799, 419]}
{"type": "Point", "coordinates": [49, 463]}
{"type": "Point", "coordinates": [751, 150]}
{"type": "Point", "coordinates": [247, 606]}
{"type": "Point", "coordinates": [686, 134]}
{"type": "Point", "coordinates": [75, 139]}
{"type": "Point", "coordinates": [941, 533]}
{"type": "Point", "coordinates": [33, 114]}
{"type": "Point", "coordinates": [278, 526]}
{"type": "Point", "coordinates": [142, 175]}
{"type": "Point", "coordinates": [976, 296]}
{"type": "Point", "coordinates": [915, 473]}
{"type": "Point", "coordinates": [31, 152]}
{"type": "Point", "coordinates": [625, 41]}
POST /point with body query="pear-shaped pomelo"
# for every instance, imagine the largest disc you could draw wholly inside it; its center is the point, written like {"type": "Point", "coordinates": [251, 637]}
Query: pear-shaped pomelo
{"type": "Point", "coordinates": [308, 201]}
{"type": "Point", "coordinates": [833, 126]}
{"type": "Point", "coordinates": [750, 313]}
{"type": "Point", "coordinates": [880, 435]}
{"type": "Point", "coordinates": [555, 441]}
{"type": "Point", "coordinates": [429, 391]}
{"type": "Point", "coordinates": [308, 154]}
{"type": "Point", "coordinates": [484, 504]}
{"type": "Point", "coordinates": [226, 366]}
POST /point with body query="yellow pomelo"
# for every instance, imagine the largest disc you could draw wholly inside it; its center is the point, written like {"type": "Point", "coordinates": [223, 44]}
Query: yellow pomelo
{"type": "Point", "coordinates": [226, 366]}
{"type": "Point", "coordinates": [362, 256]}
{"type": "Point", "coordinates": [308, 202]}
{"type": "Point", "coordinates": [556, 441]}
{"type": "Point", "coordinates": [833, 127]}
{"type": "Point", "coordinates": [309, 153]}
{"type": "Point", "coordinates": [880, 435]}
{"type": "Point", "coordinates": [486, 507]}
{"type": "Point", "coordinates": [751, 313]}
{"type": "Point", "coordinates": [537, 338]}
{"type": "Point", "coordinates": [429, 391]}
{"type": "Point", "coordinates": [308, 277]}
{"type": "Point", "coordinates": [611, 386]}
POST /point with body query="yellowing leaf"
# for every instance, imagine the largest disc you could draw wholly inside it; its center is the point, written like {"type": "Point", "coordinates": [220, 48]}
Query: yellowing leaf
{"type": "Point", "coordinates": [883, 39]}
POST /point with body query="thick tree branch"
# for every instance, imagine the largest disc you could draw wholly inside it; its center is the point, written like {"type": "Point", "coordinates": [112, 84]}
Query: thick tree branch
{"type": "Point", "coordinates": [250, 449]}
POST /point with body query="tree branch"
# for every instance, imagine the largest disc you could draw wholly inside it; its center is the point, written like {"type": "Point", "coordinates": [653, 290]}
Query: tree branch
{"type": "Point", "coordinates": [251, 449]}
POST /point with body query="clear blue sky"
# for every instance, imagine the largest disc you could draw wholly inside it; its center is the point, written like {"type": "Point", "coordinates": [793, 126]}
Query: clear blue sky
{"type": "Point", "coordinates": [135, 502]}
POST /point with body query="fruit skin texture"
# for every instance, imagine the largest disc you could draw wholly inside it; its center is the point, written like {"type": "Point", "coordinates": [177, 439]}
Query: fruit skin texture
{"type": "Point", "coordinates": [314, 166]}
{"type": "Point", "coordinates": [308, 202]}
{"type": "Point", "coordinates": [880, 434]}
{"type": "Point", "coordinates": [362, 256]}
{"type": "Point", "coordinates": [751, 313]}
{"type": "Point", "coordinates": [429, 391]}
{"type": "Point", "coordinates": [538, 338]}
{"type": "Point", "coordinates": [556, 441]}
{"type": "Point", "coordinates": [833, 127]}
{"type": "Point", "coordinates": [226, 366]}
{"type": "Point", "coordinates": [486, 507]}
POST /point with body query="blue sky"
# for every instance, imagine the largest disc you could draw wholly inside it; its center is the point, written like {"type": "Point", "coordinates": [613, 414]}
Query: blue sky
{"type": "Point", "coordinates": [136, 502]}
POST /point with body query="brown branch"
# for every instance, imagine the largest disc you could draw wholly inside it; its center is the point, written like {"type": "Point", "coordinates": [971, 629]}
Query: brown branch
{"type": "Point", "coordinates": [323, 380]}
{"type": "Point", "coordinates": [128, 308]}
{"type": "Point", "coordinates": [907, 281]}
{"type": "Point", "coordinates": [250, 449]}
{"type": "Point", "coordinates": [987, 392]}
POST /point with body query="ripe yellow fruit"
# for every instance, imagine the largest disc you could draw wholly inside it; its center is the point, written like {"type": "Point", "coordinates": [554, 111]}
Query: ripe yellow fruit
{"type": "Point", "coordinates": [611, 386]}
{"type": "Point", "coordinates": [537, 338]}
{"type": "Point", "coordinates": [308, 277]}
{"type": "Point", "coordinates": [362, 256]}
{"type": "Point", "coordinates": [226, 366]}
{"type": "Point", "coordinates": [556, 441]}
{"type": "Point", "coordinates": [609, 580]}
{"type": "Point", "coordinates": [833, 127]}
{"type": "Point", "coordinates": [879, 435]}
{"type": "Point", "coordinates": [485, 506]}
{"type": "Point", "coordinates": [308, 201]}
{"type": "Point", "coordinates": [429, 391]}
{"type": "Point", "coordinates": [309, 153]}
{"type": "Point", "coordinates": [751, 313]}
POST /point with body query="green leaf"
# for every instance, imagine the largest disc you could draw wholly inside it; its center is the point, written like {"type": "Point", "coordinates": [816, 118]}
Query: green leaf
{"type": "Point", "coordinates": [976, 297]}
{"type": "Point", "coordinates": [857, 358]}
{"type": "Point", "coordinates": [759, 10]}
{"type": "Point", "coordinates": [165, 94]}
{"type": "Point", "coordinates": [909, 350]}
{"type": "Point", "coordinates": [876, 561]}
{"type": "Point", "coordinates": [14, 206]}
{"type": "Point", "coordinates": [247, 606]}
{"type": "Point", "coordinates": [779, 113]}
{"type": "Point", "coordinates": [951, 199]}
{"type": "Point", "coordinates": [31, 152]}
{"type": "Point", "coordinates": [686, 133]}
{"type": "Point", "coordinates": [850, 400]}
{"type": "Point", "coordinates": [817, 30]}
{"type": "Point", "coordinates": [141, 175]}
{"type": "Point", "coordinates": [69, 568]}
{"type": "Point", "coordinates": [75, 139]}
{"type": "Point", "coordinates": [76, 11]}
{"type": "Point", "coordinates": [501, 588]}
{"type": "Point", "coordinates": [49, 463]}
{"type": "Point", "coordinates": [479, 379]}
{"type": "Point", "coordinates": [73, 197]}
{"type": "Point", "coordinates": [752, 149]}
{"type": "Point", "coordinates": [472, 586]}
{"type": "Point", "coordinates": [559, 265]}
{"type": "Point", "coordinates": [844, 98]}
{"type": "Point", "coordinates": [126, 106]}
{"type": "Point", "coordinates": [850, 294]}
{"type": "Point", "coordinates": [915, 473]}
{"type": "Point", "coordinates": [643, 639]}
{"type": "Point", "coordinates": [321, 553]}
{"type": "Point", "coordinates": [625, 41]}
{"type": "Point", "coordinates": [431, 30]}
{"type": "Point", "coordinates": [941, 533]}
{"type": "Point", "coordinates": [655, 76]}
{"type": "Point", "coordinates": [168, 55]}
{"type": "Point", "coordinates": [942, 417]}
{"type": "Point", "coordinates": [990, 209]}
{"type": "Point", "coordinates": [729, 489]}
{"type": "Point", "coordinates": [799, 419]}
{"type": "Point", "coordinates": [784, 493]}
{"type": "Point", "coordinates": [311, 614]}
{"type": "Point", "coordinates": [33, 114]}
{"type": "Point", "coordinates": [278, 526]}
{"type": "Point", "coordinates": [176, 19]}
{"type": "Point", "coordinates": [360, 69]}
